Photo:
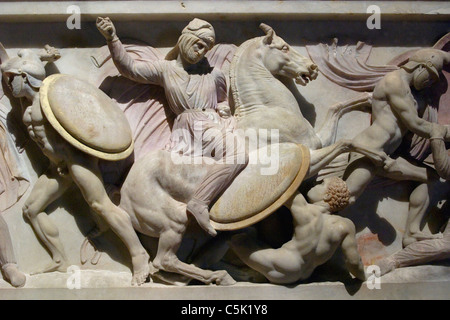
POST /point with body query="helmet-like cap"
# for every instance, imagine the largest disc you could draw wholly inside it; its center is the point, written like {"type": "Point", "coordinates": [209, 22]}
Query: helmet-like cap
{"type": "Point", "coordinates": [26, 63]}
{"type": "Point", "coordinates": [199, 28]}
{"type": "Point", "coordinates": [431, 59]}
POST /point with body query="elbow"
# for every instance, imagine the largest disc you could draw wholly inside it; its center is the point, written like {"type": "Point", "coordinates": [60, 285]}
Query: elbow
{"type": "Point", "coordinates": [420, 127]}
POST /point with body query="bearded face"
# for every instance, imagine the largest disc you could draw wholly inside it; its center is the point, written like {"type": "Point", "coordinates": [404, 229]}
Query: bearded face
{"type": "Point", "coordinates": [192, 49]}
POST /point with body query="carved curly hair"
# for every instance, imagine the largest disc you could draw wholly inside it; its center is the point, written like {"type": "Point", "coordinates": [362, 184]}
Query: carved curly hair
{"type": "Point", "coordinates": [337, 194]}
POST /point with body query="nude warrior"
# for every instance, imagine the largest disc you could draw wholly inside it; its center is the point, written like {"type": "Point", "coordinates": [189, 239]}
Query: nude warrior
{"type": "Point", "coordinates": [24, 75]}
{"type": "Point", "coordinates": [317, 235]}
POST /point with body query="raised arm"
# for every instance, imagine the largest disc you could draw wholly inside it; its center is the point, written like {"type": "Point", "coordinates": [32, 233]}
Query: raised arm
{"type": "Point", "coordinates": [150, 72]}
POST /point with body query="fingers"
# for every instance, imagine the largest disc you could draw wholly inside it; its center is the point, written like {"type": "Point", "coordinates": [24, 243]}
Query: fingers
{"type": "Point", "coordinates": [106, 28]}
{"type": "Point", "coordinates": [104, 23]}
{"type": "Point", "coordinates": [104, 20]}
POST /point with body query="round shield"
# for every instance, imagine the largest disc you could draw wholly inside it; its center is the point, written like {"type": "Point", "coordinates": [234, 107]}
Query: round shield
{"type": "Point", "coordinates": [86, 117]}
{"type": "Point", "coordinates": [272, 177]}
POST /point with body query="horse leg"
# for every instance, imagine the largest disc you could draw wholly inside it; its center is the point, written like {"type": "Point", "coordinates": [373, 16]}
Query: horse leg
{"type": "Point", "coordinates": [319, 158]}
{"type": "Point", "coordinates": [167, 260]}
{"type": "Point", "coordinates": [322, 157]}
{"type": "Point", "coordinates": [328, 129]}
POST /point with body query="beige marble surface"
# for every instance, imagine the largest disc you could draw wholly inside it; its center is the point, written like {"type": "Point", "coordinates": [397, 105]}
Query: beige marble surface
{"type": "Point", "coordinates": [405, 25]}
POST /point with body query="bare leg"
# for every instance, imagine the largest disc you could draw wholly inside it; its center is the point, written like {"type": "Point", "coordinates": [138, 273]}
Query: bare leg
{"type": "Point", "coordinates": [361, 171]}
{"type": "Point", "coordinates": [49, 187]}
{"type": "Point", "coordinates": [85, 173]}
{"type": "Point", "coordinates": [7, 258]}
{"type": "Point", "coordinates": [402, 170]}
{"type": "Point", "coordinates": [420, 201]}
{"type": "Point", "coordinates": [357, 176]}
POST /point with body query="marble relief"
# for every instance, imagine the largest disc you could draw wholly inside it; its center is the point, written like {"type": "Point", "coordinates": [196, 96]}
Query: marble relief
{"type": "Point", "coordinates": [201, 162]}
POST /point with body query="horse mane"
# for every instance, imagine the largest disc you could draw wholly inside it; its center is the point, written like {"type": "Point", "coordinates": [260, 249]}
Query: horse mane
{"type": "Point", "coordinates": [234, 69]}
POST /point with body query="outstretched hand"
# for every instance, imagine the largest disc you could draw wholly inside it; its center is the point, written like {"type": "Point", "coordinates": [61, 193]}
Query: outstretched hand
{"type": "Point", "coordinates": [106, 28]}
{"type": "Point", "coordinates": [49, 53]}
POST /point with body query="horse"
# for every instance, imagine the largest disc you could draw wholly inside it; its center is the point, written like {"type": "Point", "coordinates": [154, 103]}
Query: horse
{"type": "Point", "coordinates": [157, 188]}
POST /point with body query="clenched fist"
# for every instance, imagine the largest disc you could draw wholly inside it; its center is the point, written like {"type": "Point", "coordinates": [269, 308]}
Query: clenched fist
{"type": "Point", "coordinates": [106, 28]}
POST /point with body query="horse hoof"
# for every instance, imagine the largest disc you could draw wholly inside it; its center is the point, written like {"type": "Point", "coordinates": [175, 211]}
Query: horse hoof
{"type": "Point", "coordinates": [225, 280]}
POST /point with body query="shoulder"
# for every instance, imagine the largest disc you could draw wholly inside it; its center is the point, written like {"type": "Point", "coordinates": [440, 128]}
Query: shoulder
{"type": "Point", "coordinates": [395, 84]}
{"type": "Point", "coordinates": [391, 85]}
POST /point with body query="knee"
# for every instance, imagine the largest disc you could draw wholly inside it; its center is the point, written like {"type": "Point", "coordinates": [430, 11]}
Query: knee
{"type": "Point", "coordinates": [419, 196]}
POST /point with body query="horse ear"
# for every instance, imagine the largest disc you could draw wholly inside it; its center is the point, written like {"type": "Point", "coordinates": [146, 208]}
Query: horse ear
{"type": "Point", "coordinates": [269, 33]}
{"type": "Point", "coordinates": [3, 54]}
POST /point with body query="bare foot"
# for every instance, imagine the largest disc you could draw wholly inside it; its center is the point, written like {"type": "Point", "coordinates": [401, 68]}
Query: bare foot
{"type": "Point", "coordinates": [141, 269]}
{"type": "Point", "coordinates": [56, 265]}
{"type": "Point", "coordinates": [420, 236]}
{"type": "Point", "coordinates": [16, 277]}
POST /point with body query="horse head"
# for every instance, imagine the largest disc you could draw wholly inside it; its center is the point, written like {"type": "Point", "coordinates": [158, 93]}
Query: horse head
{"type": "Point", "coordinates": [281, 59]}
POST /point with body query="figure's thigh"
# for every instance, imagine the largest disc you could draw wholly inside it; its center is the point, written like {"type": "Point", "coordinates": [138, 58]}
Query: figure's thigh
{"type": "Point", "coordinates": [402, 169]}
{"type": "Point", "coordinates": [358, 175]}
{"type": "Point", "coordinates": [49, 187]}
{"type": "Point", "coordinates": [86, 174]}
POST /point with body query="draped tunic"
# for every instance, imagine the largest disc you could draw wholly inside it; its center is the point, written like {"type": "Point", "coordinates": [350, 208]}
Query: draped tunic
{"type": "Point", "coordinates": [193, 98]}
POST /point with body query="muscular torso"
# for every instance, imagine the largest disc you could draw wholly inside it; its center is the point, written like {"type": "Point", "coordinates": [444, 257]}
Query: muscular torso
{"type": "Point", "coordinates": [42, 132]}
{"type": "Point", "coordinates": [308, 225]}
{"type": "Point", "coordinates": [387, 129]}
